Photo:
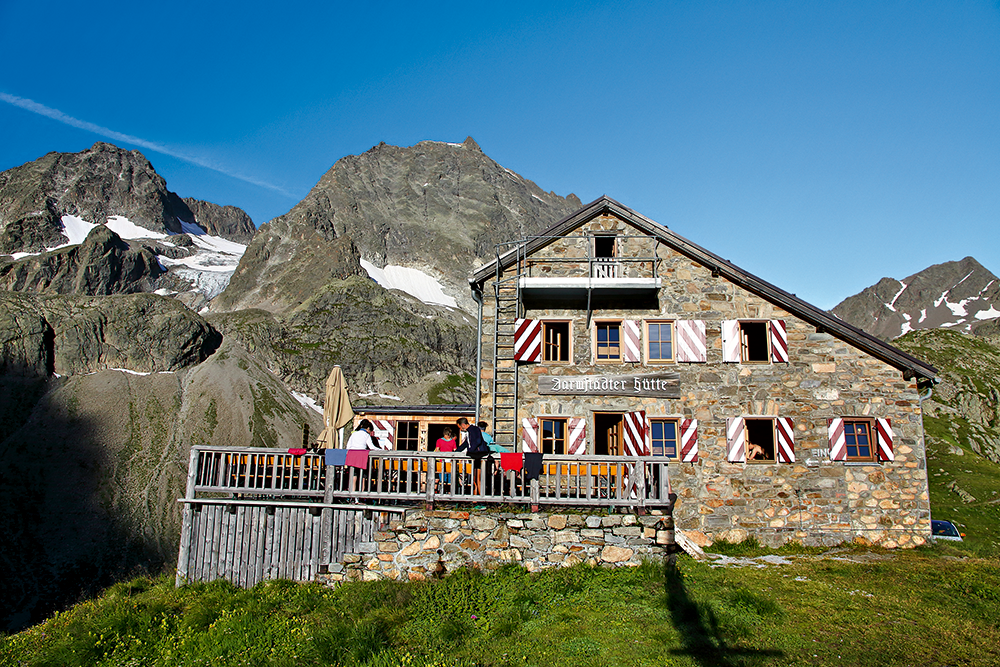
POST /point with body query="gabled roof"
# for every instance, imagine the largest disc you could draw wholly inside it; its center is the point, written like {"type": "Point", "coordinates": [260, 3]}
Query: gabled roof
{"type": "Point", "coordinates": [821, 319]}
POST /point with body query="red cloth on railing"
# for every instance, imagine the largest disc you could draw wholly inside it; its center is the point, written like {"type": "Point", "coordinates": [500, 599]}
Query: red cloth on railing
{"type": "Point", "coordinates": [296, 451]}
{"type": "Point", "coordinates": [511, 460]}
{"type": "Point", "coordinates": [357, 458]}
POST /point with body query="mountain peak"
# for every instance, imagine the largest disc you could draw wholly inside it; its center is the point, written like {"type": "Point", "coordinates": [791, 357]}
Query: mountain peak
{"type": "Point", "coordinates": [954, 295]}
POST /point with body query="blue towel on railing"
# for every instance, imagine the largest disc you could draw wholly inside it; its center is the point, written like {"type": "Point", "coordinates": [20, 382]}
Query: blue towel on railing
{"type": "Point", "coordinates": [336, 457]}
{"type": "Point", "coordinates": [532, 465]}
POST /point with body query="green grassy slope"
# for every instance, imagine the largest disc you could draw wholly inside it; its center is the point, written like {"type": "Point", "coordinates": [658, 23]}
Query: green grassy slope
{"type": "Point", "coordinates": [962, 428]}
{"type": "Point", "coordinates": [847, 608]}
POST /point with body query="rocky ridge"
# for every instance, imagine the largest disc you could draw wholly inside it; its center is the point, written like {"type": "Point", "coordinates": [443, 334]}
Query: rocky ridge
{"type": "Point", "coordinates": [101, 399]}
{"type": "Point", "coordinates": [434, 206]}
{"type": "Point", "coordinates": [105, 186]}
{"type": "Point", "coordinates": [954, 295]}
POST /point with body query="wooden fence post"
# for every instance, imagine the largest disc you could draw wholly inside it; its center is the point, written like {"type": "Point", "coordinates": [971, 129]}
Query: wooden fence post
{"type": "Point", "coordinates": [187, 520]}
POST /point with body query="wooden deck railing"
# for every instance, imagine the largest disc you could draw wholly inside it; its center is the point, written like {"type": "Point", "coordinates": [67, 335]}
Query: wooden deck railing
{"type": "Point", "coordinates": [429, 477]}
{"type": "Point", "coordinates": [254, 514]}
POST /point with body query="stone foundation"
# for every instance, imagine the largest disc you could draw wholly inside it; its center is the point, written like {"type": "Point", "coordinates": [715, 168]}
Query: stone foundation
{"type": "Point", "coordinates": [427, 543]}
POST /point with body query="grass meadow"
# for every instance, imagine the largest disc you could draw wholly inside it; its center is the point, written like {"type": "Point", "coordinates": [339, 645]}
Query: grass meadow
{"type": "Point", "coordinates": [931, 606]}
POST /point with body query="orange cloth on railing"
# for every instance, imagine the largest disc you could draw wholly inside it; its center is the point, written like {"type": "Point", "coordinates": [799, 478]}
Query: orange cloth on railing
{"type": "Point", "coordinates": [357, 458]}
{"type": "Point", "coordinates": [511, 460]}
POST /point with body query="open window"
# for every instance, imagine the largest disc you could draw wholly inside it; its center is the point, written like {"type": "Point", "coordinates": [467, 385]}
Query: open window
{"type": "Point", "coordinates": [605, 256]}
{"type": "Point", "coordinates": [754, 344]}
{"type": "Point", "coordinates": [556, 345]}
{"type": "Point", "coordinates": [754, 341]}
{"type": "Point", "coordinates": [760, 440]}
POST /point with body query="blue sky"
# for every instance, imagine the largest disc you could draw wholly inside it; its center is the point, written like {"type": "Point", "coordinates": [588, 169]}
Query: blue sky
{"type": "Point", "coordinates": [820, 145]}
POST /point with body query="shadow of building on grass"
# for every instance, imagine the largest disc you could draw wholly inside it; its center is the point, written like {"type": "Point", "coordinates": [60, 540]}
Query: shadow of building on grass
{"type": "Point", "coordinates": [702, 637]}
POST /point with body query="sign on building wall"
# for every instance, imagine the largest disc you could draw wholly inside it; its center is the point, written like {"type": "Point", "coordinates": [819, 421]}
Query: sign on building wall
{"type": "Point", "coordinates": [654, 385]}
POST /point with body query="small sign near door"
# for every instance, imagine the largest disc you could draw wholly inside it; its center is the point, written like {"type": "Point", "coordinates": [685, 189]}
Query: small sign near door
{"type": "Point", "coordinates": [655, 385]}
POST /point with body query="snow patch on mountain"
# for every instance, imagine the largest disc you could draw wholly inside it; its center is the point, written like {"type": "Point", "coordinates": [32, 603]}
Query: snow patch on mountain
{"type": "Point", "coordinates": [208, 268]}
{"type": "Point", "coordinates": [414, 282]}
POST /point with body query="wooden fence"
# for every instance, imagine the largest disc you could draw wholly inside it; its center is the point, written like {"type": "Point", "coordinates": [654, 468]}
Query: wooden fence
{"type": "Point", "coordinates": [252, 514]}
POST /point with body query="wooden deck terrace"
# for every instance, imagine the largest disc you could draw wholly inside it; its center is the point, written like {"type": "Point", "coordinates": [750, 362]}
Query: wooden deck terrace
{"type": "Point", "coordinates": [255, 514]}
{"type": "Point", "coordinates": [403, 477]}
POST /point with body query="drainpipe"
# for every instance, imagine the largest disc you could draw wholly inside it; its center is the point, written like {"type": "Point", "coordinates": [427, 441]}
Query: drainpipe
{"type": "Point", "coordinates": [923, 438]}
{"type": "Point", "coordinates": [477, 296]}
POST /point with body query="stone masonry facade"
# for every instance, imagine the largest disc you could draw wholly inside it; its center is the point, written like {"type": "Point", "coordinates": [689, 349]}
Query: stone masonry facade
{"type": "Point", "coordinates": [813, 500]}
{"type": "Point", "coordinates": [429, 543]}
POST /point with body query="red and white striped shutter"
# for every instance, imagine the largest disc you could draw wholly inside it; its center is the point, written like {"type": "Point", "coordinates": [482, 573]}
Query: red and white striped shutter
{"type": "Point", "coordinates": [779, 342]}
{"type": "Point", "coordinates": [731, 341]}
{"type": "Point", "coordinates": [631, 341]}
{"type": "Point", "coordinates": [838, 443]}
{"type": "Point", "coordinates": [689, 440]}
{"type": "Point", "coordinates": [529, 434]}
{"type": "Point", "coordinates": [528, 340]}
{"type": "Point", "coordinates": [691, 341]}
{"type": "Point", "coordinates": [786, 439]}
{"type": "Point", "coordinates": [635, 433]}
{"type": "Point", "coordinates": [385, 433]}
{"type": "Point", "coordinates": [577, 440]}
{"type": "Point", "coordinates": [736, 439]}
{"type": "Point", "coordinates": [884, 429]}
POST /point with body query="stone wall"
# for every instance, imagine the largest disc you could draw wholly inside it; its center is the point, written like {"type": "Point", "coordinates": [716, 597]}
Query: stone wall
{"type": "Point", "coordinates": [813, 500]}
{"type": "Point", "coordinates": [427, 543]}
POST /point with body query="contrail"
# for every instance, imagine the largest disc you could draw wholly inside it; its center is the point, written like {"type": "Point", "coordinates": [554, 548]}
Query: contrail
{"type": "Point", "coordinates": [60, 117]}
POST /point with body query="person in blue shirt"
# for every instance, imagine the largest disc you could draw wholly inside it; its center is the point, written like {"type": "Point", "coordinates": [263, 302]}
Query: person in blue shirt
{"type": "Point", "coordinates": [490, 442]}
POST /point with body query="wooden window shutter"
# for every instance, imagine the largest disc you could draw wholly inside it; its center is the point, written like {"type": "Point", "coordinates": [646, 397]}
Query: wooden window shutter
{"type": "Point", "coordinates": [785, 437]}
{"type": "Point", "coordinates": [838, 443]}
{"type": "Point", "coordinates": [736, 436]}
{"type": "Point", "coordinates": [690, 343]}
{"type": "Point", "coordinates": [635, 433]}
{"type": "Point", "coordinates": [631, 341]}
{"type": "Point", "coordinates": [731, 341]}
{"type": "Point", "coordinates": [884, 429]}
{"type": "Point", "coordinates": [576, 442]}
{"type": "Point", "coordinates": [689, 440]}
{"type": "Point", "coordinates": [385, 433]}
{"type": "Point", "coordinates": [779, 342]}
{"type": "Point", "coordinates": [529, 434]}
{"type": "Point", "coordinates": [528, 340]}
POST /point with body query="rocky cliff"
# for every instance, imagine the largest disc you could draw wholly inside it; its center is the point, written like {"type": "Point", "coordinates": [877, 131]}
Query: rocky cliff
{"type": "Point", "coordinates": [47, 208]}
{"type": "Point", "coordinates": [954, 295]}
{"type": "Point", "coordinates": [101, 399]}
{"type": "Point", "coordinates": [434, 209]}
{"type": "Point", "coordinates": [229, 222]}
{"type": "Point", "coordinates": [437, 207]}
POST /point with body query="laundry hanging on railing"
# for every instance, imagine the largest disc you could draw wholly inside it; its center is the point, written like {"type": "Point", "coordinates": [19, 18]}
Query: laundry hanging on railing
{"type": "Point", "coordinates": [336, 457]}
{"type": "Point", "coordinates": [532, 465]}
{"type": "Point", "coordinates": [357, 458]}
{"type": "Point", "coordinates": [512, 461]}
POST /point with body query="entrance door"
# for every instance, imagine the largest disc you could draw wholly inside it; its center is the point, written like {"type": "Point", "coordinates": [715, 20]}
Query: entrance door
{"type": "Point", "coordinates": [608, 433]}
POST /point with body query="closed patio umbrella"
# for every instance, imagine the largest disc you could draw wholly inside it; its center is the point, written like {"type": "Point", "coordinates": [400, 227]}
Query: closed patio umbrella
{"type": "Point", "coordinates": [337, 411]}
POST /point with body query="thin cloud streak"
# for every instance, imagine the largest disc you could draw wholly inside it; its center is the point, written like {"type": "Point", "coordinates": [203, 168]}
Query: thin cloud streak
{"type": "Point", "coordinates": [60, 117]}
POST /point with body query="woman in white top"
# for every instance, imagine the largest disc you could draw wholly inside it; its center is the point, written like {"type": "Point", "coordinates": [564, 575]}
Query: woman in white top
{"type": "Point", "coordinates": [363, 436]}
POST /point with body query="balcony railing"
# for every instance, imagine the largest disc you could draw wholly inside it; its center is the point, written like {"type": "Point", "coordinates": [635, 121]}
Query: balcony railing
{"type": "Point", "coordinates": [427, 477]}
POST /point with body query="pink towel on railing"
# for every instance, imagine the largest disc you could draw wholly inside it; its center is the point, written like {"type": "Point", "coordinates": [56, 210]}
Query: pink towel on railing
{"type": "Point", "coordinates": [511, 460]}
{"type": "Point", "coordinates": [296, 451]}
{"type": "Point", "coordinates": [357, 458]}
